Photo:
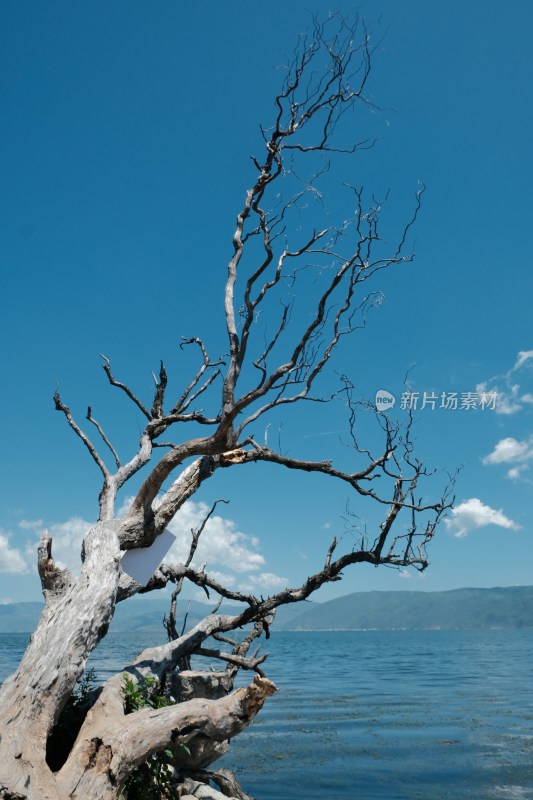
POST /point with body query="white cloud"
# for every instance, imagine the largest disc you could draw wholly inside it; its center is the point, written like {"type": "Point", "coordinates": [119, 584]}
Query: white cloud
{"type": "Point", "coordinates": [232, 557]}
{"type": "Point", "coordinates": [223, 578]}
{"type": "Point", "coordinates": [508, 403]}
{"type": "Point", "coordinates": [508, 399]}
{"type": "Point", "coordinates": [30, 525]}
{"type": "Point", "coordinates": [510, 396]}
{"type": "Point", "coordinates": [515, 473]}
{"type": "Point", "coordinates": [270, 581]}
{"type": "Point", "coordinates": [523, 356]}
{"type": "Point", "coordinates": [510, 450]}
{"type": "Point", "coordinates": [5, 601]}
{"type": "Point", "coordinates": [264, 583]}
{"type": "Point", "coordinates": [11, 559]}
{"type": "Point", "coordinates": [220, 544]}
{"type": "Point", "coordinates": [472, 514]}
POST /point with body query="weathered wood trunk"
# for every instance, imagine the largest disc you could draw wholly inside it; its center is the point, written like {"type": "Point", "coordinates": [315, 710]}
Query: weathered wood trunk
{"type": "Point", "coordinates": [75, 618]}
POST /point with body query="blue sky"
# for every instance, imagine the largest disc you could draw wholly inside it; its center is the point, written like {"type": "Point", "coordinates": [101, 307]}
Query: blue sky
{"type": "Point", "coordinates": [126, 136]}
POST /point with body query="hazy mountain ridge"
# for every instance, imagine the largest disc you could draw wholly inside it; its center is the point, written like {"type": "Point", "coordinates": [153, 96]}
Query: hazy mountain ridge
{"type": "Point", "coordinates": [509, 607]}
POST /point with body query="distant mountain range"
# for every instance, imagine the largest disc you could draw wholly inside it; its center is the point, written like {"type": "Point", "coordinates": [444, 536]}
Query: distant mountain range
{"type": "Point", "coordinates": [510, 607]}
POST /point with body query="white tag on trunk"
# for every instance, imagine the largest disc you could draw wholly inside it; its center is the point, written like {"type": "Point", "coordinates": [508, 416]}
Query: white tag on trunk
{"type": "Point", "coordinates": [141, 563]}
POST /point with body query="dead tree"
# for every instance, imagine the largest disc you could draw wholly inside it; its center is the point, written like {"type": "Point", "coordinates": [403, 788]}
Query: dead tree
{"type": "Point", "coordinates": [270, 258]}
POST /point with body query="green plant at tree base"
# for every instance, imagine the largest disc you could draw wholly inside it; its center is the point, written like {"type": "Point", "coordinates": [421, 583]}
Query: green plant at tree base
{"type": "Point", "coordinates": [154, 779]}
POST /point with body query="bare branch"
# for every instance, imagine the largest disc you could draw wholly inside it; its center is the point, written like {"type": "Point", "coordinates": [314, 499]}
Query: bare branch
{"type": "Point", "coordinates": [60, 406]}
{"type": "Point", "coordinates": [200, 391]}
{"type": "Point", "coordinates": [159, 397]}
{"type": "Point", "coordinates": [102, 434]}
{"type": "Point", "coordinates": [238, 661]}
{"type": "Point", "coordinates": [183, 403]}
{"type": "Point", "coordinates": [123, 387]}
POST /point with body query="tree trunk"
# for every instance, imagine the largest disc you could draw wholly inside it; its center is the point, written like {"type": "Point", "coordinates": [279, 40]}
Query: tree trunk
{"type": "Point", "coordinates": [75, 618]}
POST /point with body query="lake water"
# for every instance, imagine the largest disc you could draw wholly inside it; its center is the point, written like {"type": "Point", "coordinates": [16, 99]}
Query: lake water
{"type": "Point", "coordinates": [399, 715]}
